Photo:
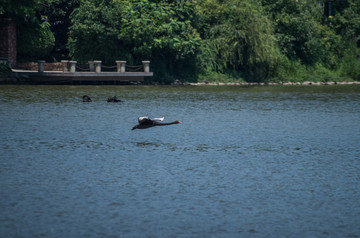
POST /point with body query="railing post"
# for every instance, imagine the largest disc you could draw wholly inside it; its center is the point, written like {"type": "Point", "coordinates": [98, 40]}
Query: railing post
{"type": "Point", "coordinates": [146, 66]}
{"type": "Point", "coordinates": [121, 66]}
{"type": "Point", "coordinates": [41, 66]}
{"type": "Point", "coordinates": [97, 66]}
{"type": "Point", "coordinates": [65, 64]}
{"type": "Point", "coordinates": [73, 66]}
{"type": "Point", "coordinates": [91, 66]}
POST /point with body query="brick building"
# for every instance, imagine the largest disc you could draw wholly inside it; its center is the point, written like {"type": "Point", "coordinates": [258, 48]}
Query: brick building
{"type": "Point", "coordinates": [8, 39]}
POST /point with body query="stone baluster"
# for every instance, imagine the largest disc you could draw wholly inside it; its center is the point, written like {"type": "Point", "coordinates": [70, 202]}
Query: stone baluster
{"type": "Point", "coordinates": [97, 64]}
{"type": "Point", "coordinates": [146, 66]}
{"type": "Point", "coordinates": [121, 66]}
{"type": "Point", "coordinates": [73, 66]}
{"type": "Point", "coordinates": [65, 65]}
{"type": "Point", "coordinates": [91, 66]}
{"type": "Point", "coordinates": [41, 66]}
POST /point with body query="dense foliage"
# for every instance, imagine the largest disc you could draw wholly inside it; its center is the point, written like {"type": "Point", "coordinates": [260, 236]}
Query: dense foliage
{"type": "Point", "coordinates": [35, 41]}
{"type": "Point", "coordinates": [135, 31]}
{"type": "Point", "coordinates": [239, 38]}
{"type": "Point", "coordinates": [284, 40]}
{"type": "Point", "coordinates": [58, 13]}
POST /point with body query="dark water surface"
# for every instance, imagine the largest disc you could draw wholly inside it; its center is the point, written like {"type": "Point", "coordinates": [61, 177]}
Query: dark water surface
{"type": "Point", "coordinates": [246, 162]}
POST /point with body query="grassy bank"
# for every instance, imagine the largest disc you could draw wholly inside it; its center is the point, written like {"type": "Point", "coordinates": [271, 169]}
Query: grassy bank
{"type": "Point", "coordinates": [292, 72]}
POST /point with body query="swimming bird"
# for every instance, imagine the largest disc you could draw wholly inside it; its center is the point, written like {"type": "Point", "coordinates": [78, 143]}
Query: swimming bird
{"type": "Point", "coordinates": [86, 98]}
{"type": "Point", "coordinates": [113, 99]}
{"type": "Point", "coordinates": [145, 122]}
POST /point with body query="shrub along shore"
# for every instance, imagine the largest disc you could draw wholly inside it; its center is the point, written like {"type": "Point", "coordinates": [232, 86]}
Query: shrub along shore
{"type": "Point", "coordinates": [8, 79]}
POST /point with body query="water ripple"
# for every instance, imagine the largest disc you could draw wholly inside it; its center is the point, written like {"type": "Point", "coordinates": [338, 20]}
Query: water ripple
{"type": "Point", "coordinates": [253, 161]}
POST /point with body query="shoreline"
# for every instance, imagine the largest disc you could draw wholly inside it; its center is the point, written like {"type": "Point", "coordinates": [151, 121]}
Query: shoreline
{"type": "Point", "coordinates": [15, 80]}
{"type": "Point", "coordinates": [308, 83]}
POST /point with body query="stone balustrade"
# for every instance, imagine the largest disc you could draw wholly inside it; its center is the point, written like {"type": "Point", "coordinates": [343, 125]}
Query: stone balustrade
{"type": "Point", "coordinates": [94, 66]}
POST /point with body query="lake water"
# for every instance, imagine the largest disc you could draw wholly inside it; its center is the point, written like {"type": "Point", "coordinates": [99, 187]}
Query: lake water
{"type": "Point", "coordinates": [279, 161]}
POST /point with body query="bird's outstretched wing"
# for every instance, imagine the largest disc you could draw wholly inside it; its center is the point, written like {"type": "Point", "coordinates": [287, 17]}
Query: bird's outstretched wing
{"type": "Point", "coordinates": [145, 121]}
{"type": "Point", "coordinates": [158, 119]}
{"type": "Point", "coordinates": [144, 118]}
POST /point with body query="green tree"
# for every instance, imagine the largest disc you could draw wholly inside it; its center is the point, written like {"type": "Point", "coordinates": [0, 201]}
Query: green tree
{"type": "Point", "coordinates": [346, 22]}
{"type": "Point", "coordinates": [58, 15]}
{"type": "Point", "coordinates": [163, 32]}
{"type": "Point", "coordinates": [160, 31]}
{"type": "Point", "coordinates": [35, 39]}
{"type": "Point", "coordinates": [20, 8]}
{"type": "Point", "coordinates": [299, 31]}
{"type": "Point", "coordinates": [94, 30]}
{"type": "Point", "coordinates": [240, 38]}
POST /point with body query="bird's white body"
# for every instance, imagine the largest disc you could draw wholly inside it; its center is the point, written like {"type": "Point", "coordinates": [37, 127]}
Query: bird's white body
{"type": "Point", "coordinates": [153, 119]}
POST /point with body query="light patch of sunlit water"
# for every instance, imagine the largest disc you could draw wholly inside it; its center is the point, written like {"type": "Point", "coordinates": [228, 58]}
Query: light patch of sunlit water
{"type": "Point", "coordinates": [246, 161]}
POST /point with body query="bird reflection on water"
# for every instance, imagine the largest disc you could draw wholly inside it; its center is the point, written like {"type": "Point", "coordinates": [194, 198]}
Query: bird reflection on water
{"type": "Point", "coordinates": [146, 144]}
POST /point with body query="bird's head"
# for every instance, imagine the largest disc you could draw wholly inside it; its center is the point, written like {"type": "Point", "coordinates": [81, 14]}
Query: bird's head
{"type": "Point", "coordinates": [135, 127]}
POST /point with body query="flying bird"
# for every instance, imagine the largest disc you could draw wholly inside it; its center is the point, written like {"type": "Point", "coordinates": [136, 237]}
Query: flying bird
{"type": "Point", "coordinates": [146, 122]}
